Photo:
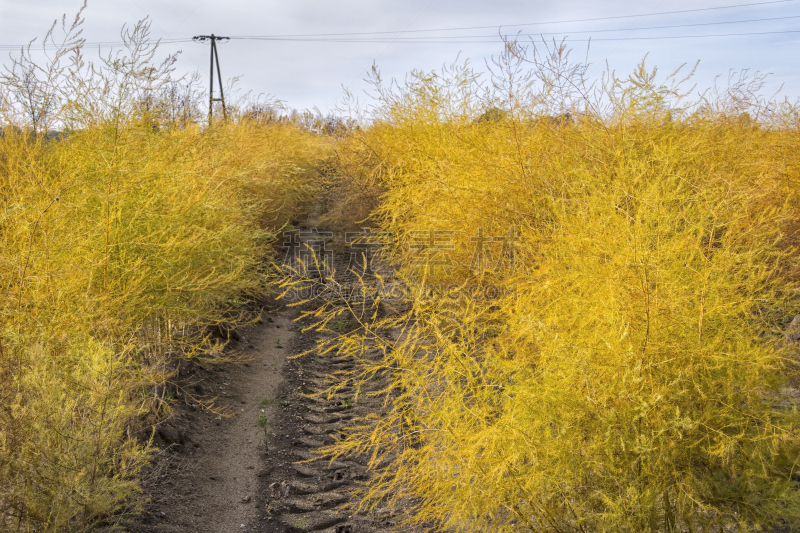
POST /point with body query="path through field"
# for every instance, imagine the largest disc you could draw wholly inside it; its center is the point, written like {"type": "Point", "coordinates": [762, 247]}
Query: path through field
{"type": "Point", "coordinates": [220, 475]}
{"type": "Point", "coordinates": [206, 478]}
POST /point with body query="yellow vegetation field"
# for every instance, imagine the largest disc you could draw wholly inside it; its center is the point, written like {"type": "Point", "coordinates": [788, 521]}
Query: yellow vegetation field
{"type": "Point", "coordinates": [120, 242]}
{"type": "Point", "coordinates": [603, 278]}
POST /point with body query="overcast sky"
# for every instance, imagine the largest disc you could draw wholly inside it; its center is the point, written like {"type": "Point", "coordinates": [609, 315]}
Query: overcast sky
{"type": "Point", "coordinates": [311, 74]}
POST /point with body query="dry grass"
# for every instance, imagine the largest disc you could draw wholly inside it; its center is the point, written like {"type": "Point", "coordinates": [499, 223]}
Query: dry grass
{"type": "Point", "coordinates": [631, 373]}
{"type": "Point", "coordinates": [119, 244]}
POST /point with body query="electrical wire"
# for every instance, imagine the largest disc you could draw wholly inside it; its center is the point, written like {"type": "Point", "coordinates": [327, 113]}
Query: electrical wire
{"type": "Point", "coordinates": [497, 26]}
{"type": "Point", "coordinates": [567, 39]}
{"type": "Point", "coordinates": [494, 37]}
{"type": "Point", "coordinates": [360, 37]}
{"type": "Point", "coordinates": [102, 44]}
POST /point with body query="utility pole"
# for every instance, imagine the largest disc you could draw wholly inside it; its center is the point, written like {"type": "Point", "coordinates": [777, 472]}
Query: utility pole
{"type": "Point", "coordinates": [214, 57]}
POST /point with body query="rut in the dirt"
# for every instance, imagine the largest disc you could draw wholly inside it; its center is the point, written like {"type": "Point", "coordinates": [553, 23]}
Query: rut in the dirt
{"type": "Point", "coordinates": [224, 475]}
{"type": "Point", "coordinates": [312, 496]}
{"type": "Point", "coordinates": [301, 492]}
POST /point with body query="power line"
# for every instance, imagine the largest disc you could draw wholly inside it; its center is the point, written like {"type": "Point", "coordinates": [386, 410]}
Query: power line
{"type": "Point", "coordinates": [684, 36]}
{"type": "Point", "coordinates": [473, 39]}
{"type": "Point", "coordinates": [494, 37]}
{"type": "Point", "coordinates": [483, 39]}
{"type": "Point", "coordinates": [567, 39]}
{"type": "Point", "coordinates": [487, 39]}
{"type": "Point", "coordinates": [496, 26]}
{"type": "Point", "coordinates": [101, 44]}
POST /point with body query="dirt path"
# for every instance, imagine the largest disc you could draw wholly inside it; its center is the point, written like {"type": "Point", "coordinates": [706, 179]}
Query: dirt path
{"type": "Point", "coordinates": [218, 474]}
{"type": "Point", "coordinates": [313, 496]}
{"type": "Point", "coordinates": [207, 476]}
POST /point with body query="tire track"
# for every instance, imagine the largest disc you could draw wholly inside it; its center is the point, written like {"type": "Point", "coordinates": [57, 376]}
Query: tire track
{"type": "Point", "coordinates": [300, 492]}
